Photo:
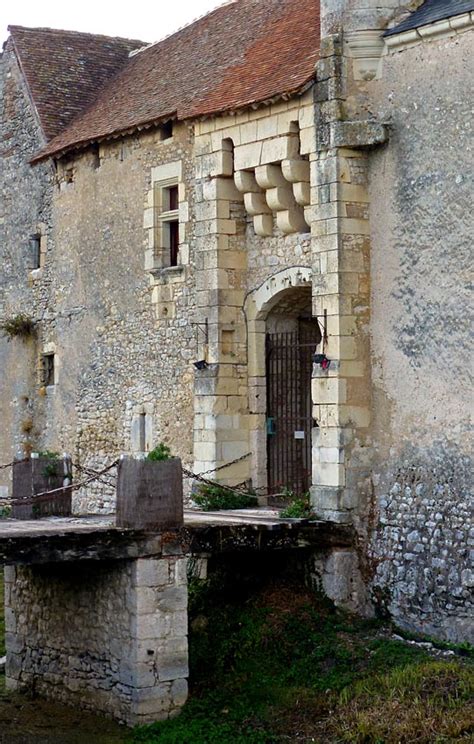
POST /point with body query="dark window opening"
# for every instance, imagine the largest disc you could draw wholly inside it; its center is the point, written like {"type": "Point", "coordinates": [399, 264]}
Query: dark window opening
{"type": "Point", "coordinates": [173, 198]}
{"type": "Point", "coordinates": [69, 175]}
{"type": "Point", "coordinates": [142, 432]}
{"type": "Point", "coordinates": [95, 156]}
{"type": "Point", "coordinates": [35, 251]}
{"type": "Point", "coordinates": [173, 228]}
{"type": "Point", "coordinates": [167, 130]}
{"type": "Point", "coordinates": [48, 369]}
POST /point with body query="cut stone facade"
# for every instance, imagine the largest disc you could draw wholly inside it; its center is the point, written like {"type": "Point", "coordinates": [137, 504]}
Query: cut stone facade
{"type": "Point", "coordinates": [347, 204]}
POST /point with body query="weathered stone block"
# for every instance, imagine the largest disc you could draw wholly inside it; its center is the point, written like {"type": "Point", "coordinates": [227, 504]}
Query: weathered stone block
{"type": "Point", "coordinates": [149, 494]}
{"type": "Point", "coordinates": [358, 133]}
{"type": "Point", "coordinates": [39, 475]}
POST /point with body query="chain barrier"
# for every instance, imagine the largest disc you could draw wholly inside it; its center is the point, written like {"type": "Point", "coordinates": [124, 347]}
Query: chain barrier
{"type": "Point", "coordinates": [62, 490]}
{"type": "Point", "coordinates": [100, 478]}
{"type": "Point", "coordinates": [227, 464]}
{"type": "Point", "coordinates": [13, 463]}
{"type": "Point", "coordinates": [98, 475]}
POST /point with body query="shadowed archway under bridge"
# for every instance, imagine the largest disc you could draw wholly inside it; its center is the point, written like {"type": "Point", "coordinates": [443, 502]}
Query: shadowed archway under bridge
{"type": "Point", "coordinates": [283, 336]}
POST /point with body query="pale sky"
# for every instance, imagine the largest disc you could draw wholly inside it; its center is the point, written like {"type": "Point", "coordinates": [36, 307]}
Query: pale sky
{"type": "Point", "coordinates": [133, 19]}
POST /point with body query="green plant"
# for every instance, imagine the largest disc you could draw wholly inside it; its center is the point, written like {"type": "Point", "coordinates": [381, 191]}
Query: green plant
{"type": "Point", "coordinates": [21, 326]}
{"type": "Point", "coordinates": [5, 512]}
{"type": "Point", "coordinates": [298, 508]}
{"type": "Point", "coordinates": [50, 469]}
{"type": "Point", "coordinates": [283, 665]}
{"type": "Point", "coordinates": [216, 498]}
{"type": "Point", "coordinates": [159, 453]}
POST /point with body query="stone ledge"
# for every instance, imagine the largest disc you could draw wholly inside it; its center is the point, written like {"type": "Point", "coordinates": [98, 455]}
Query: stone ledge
{"type": "Point", "coordinates": [357, 134]}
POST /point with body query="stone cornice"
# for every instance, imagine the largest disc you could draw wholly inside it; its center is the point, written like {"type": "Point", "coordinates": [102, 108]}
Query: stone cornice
{"type": "Point", "coordinates": [433, 31]}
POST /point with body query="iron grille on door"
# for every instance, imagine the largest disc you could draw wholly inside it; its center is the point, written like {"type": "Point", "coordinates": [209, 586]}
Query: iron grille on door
{"type": "Point", "coordinates": [289, 408]}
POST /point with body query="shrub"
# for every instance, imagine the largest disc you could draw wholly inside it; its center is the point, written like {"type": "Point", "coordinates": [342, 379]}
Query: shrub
{"type": "Point", "coordinates": [298, 508]}
{"type": "Point", "coordinates": [160, 453]}
{"type": "Point", "coordinates": [216, 498]}
{"type": "Point", "coordinates": [51, 469]}
{"type": "Point", "coordinates": [21, 326]}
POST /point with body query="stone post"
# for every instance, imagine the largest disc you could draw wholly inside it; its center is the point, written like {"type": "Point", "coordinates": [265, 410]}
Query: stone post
{"type": "Point", "coordinates": [150, 494]}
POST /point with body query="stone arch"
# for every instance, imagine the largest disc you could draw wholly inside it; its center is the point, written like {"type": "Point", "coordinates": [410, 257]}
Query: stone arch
{"type": "Point", "coordinates": [258, 305]}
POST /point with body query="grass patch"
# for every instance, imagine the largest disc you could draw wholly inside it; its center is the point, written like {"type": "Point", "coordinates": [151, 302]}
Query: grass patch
{"type": "Point", "coordinates": [286, 666]}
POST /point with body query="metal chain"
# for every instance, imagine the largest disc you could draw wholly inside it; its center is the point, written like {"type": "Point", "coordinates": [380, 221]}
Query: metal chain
{"type": "Point", "coordinates": [13, 463]}
{"type": "Point", "coordinates": [227, 464]}
{"type": "Point", "coordinates": [91, 471]}
{"type": "Point", "coordinates": [43, 495]}
{"type": "Point", "coordinates": [207, 482]}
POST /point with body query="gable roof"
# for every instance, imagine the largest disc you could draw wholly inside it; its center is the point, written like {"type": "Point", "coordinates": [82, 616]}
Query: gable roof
{"type": "Point", "coordinates": [242, 53]}
{"type": "Point", "coordinates": [64, 70]}
{"type": "Point", "coordinates": [431, 11]}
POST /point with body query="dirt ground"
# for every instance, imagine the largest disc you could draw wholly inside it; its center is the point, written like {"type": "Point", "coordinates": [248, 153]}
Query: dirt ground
{"type": "Point", "coordinates": [29, 721]}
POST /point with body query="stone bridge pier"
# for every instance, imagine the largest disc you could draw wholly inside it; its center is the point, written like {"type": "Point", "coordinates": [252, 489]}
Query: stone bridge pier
{"type": "Point", "coordinates": [97, 608]}
{"type": "Point", "coordinates": [110, 635]}
{"type": "Point", "coordinates": [96, 614]}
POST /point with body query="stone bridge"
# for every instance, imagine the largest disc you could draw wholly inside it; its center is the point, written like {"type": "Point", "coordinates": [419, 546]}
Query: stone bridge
{"type": "Point", "coordinates": [96, 615]}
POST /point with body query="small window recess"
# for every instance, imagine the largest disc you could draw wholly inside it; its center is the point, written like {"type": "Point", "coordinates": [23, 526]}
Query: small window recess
{"type": "Point", "coordinates": [142, 432]}
{"type": "Point", "coordinates": [95, 154]}
{"type": "Point", "coordinates": [35, 251]}
{"type": "Point", "coordinates": [167, 130]}
{"type": "Point", "coordinates": [48, 370]}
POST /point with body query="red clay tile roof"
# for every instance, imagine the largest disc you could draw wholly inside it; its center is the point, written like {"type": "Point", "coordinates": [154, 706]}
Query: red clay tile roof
{"type": "Point", "coordinates": [245, 52]}
{"type": "Point", "coordinates": [64, 70]}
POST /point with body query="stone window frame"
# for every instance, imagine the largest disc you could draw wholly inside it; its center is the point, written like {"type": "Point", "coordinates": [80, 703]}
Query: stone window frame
{"type": "Point", "coordinates": [142, 429]}
{"type": "Point", "coordinates": [38, 234]}
{"type": "Point", "coordinates": [158, 217]}
{"type": "Point", "coordinates": [48, 350]}
{"type": "Point", "coordinates": [166, 218]}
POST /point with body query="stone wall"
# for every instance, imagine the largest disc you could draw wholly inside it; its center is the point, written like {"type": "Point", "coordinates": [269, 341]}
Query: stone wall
{"type": "Point", "coordinates": [421, 192]}
{"type": "Point", "coordinates": [25, 204]}
{"type": "Point", "coordinates": [110, 637]}
{"type": "Point", "coordinates": [118, 359]}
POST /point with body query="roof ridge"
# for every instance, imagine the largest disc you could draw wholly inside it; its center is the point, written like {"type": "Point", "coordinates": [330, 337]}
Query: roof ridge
{"type": "Point", "coordinates": [48, 29]}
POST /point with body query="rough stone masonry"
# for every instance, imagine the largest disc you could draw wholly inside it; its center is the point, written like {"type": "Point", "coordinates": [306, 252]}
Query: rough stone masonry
{"type": "Point", "coordinates": [343, 199]}
{"type": "Point", "coordinates": [108, 636]}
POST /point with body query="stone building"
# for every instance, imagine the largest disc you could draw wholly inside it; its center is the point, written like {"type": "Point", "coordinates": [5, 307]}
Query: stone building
{"type": "Point", "coordinates": [189, 222]}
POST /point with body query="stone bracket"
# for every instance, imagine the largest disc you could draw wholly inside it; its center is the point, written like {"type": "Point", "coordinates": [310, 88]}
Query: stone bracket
{"type": "Point", "coordinates": [358, 134]}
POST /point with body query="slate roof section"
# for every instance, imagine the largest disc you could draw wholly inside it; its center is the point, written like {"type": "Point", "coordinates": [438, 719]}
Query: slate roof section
{"type": "Point", "coordinates": [431, 11]}
{"type": "Point", "coordinates": [242, 53]}
{"type": "Point", "coordinates": [64, 70]}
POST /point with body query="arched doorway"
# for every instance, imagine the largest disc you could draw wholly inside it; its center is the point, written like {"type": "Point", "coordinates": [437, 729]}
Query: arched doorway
{"type": "Point", "coordinates": [290, 341]}
{"type": "Point", "coordinates": [282, 337]}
